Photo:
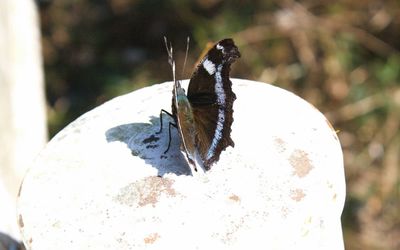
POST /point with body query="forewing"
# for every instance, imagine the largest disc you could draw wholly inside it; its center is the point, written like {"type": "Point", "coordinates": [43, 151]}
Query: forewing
{"type": "Point", "coordinates": [211, 97]}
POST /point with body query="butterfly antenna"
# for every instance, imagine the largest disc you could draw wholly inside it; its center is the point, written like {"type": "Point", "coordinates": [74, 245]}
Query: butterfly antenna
{"type": "Point", "coordinates": [169, 51]}
{"type": "Point", "coordinates": [171, 60]}
{"type": "Point", "coordinates": [186, 55]}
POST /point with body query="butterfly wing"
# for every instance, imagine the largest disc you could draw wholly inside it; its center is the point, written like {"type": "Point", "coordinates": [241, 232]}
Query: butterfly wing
{"type": "Point", "coordinates": [211, 98]}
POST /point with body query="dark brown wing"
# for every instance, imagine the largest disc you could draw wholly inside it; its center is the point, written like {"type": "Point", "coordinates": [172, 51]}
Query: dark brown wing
{"type": "Point", "coordinates": [211, 97]}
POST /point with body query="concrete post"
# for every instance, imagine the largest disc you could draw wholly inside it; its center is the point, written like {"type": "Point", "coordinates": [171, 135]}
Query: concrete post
{"type": "Point", "coordinates": [104, 183]}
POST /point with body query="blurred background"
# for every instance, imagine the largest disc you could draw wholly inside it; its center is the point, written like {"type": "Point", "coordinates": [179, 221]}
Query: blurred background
{"type": "Point", "coordinates": [341, 56]}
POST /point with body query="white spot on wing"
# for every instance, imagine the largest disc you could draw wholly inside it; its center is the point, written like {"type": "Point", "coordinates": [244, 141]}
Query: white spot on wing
{"type": "Point", "coordinates": [221, 97]}
{"type": "Point", "coordinates": [219, 89]}
{"type": "Point", "coordinates": [220, 47]}
{"type": "Point", "coordinates": [209, 66]}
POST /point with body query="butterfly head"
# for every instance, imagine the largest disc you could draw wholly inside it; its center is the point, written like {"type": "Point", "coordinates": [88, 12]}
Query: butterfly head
{"type": "Point", "coordinates": [225, 51]}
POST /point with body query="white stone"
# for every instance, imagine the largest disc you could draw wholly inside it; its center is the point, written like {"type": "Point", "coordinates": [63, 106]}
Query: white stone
{"type": "Point", "coordinates": [95, 185]}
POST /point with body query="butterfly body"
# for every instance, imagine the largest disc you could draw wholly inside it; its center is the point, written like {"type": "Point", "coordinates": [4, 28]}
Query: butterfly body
{"type": "Point", "coordinates": [203, 116]}
{"type": "Point", "coordinates": [184, 120]}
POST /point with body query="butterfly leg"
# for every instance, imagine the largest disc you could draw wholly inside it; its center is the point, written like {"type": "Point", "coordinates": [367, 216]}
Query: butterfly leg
{"type": "Point", "coordinates": [169, 127]}
{"type": "Point", "coordinates": [161, 120]}
{"type": "Point", "coordinates": [169, 135]}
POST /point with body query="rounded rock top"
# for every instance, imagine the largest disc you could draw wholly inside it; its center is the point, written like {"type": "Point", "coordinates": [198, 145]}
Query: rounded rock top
{"type": "Point", "coordinates": [103, 182]}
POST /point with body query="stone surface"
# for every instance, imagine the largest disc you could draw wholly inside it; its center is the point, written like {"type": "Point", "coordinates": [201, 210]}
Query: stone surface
{"type": "Point", "coordinates": [104, 183]}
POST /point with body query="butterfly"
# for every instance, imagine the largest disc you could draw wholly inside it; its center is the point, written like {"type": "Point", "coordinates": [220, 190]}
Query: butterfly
{"type": "Point", "coordinates": [203, 116]}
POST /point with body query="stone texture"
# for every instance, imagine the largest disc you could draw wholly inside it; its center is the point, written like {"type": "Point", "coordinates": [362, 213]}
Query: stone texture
{"type": "Point", "coordinates": [103, 182]}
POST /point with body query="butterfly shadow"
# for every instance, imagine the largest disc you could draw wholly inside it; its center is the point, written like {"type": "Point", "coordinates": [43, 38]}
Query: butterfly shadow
{"type": "Point", "coordinates": [144, 142]}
